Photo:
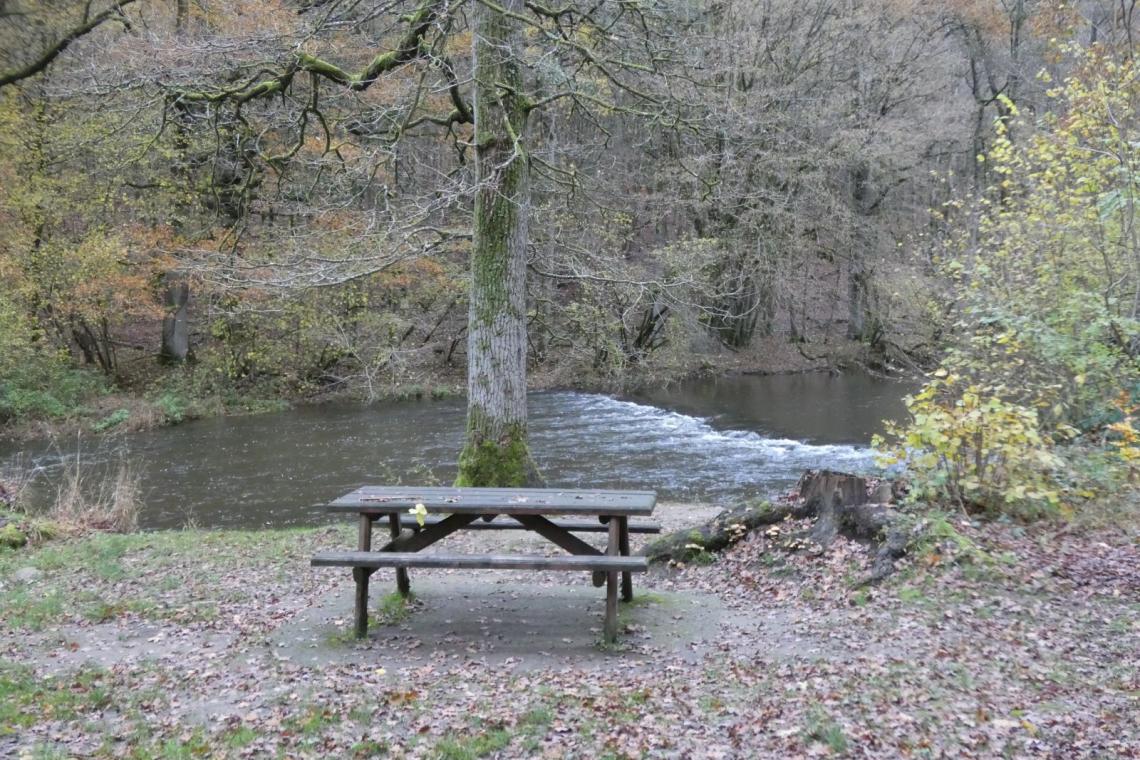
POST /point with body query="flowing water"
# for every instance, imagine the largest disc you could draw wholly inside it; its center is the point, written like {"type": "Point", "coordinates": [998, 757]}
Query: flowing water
{"type": "Point", "coordinates": [715, 439]}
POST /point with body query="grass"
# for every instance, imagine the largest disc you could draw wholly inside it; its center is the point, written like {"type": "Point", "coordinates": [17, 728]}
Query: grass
{"type": "Point", "coordinates": [1123, 624]}
{"type": "Point", "coordinates": [611, 647]}
{"type": "Point", "coordinates": [641, 599]}
{"type": "Point", "coordinates": [394, 609]}
{"type": "Point", "coordinates": [822, 728]}
{"type": "Point", "coordinates": [647, 599]}
{"type": "Point", "coordinates": [86, 696]}
{"type": "Point", "coordinates": [537, 717]}
{"type": "Point", "coordinates": [26, 700]}
{"type": "Point", "coordinates": [114, 419]}
{"type": "Point", "coordinates": [184, 748]}
{"type": "Point", "coordinates": [155, 576]}
{"type": "Point", "coordinates": [86, 500]}
{"type": "Point", "coordinates": [471, 747]}
{"type": "Point", "coordinates": [313, 720]}
{"type": "Point", "coordinates": [710, 703]}
{"type": "Point", "coordinates": [14, 481]}
{"type": "Point", "coordinates": [368, 748]}
{"type": "Point", "coordinates": [100, 555]}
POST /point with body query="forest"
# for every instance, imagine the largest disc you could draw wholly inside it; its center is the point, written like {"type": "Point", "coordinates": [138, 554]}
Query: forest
{"type": "Point", "coordinates": [218, 208]}
{"type": "Point", "coordinates": [241, 204]}
{"type": "Point", "coordinates": [214, 207]}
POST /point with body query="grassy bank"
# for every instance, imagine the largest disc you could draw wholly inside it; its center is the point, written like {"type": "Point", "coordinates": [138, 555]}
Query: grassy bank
{"type": "Point", "coordinates": [185, 644]}
{"type": "Point", "coordinates": [125, 411]}
{"type": "Point", "coordinates": [181, 576]}
{"type": "Point", "coordinates": [67, 400]}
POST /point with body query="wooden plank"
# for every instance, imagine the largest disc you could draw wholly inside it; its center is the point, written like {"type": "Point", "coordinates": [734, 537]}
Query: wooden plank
{"type": "Point", "coordinates": [555, 535]}
{"type": "Point", "coordinates": [480, 561]}
{"type": "Point", "coordinates": [623, 549]}
{"type": "Point", "coordinates": [403, 583]}
{"type": "Point", "coordinates": [612, 550]}
{"type": "Point", "coordinates": [360, 575]}
{"type": "Point", "coordinates": [413, 542]}
{"type": "Point", "coordinates": [575, 526]}
{"type": "Point", "coordinates": [560, 537]}
{"type": "Point", "coordinates": [360, 608]}
{"type": "Point", "coordinates": [364, 533]}
{"type": "Point", "coordinates": [538, 501]}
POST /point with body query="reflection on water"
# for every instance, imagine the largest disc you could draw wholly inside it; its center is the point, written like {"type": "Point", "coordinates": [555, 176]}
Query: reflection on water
{"type": "Point", "coordinates": [816, 407]}
{"type": "Point", "coordinates": [714, 439]}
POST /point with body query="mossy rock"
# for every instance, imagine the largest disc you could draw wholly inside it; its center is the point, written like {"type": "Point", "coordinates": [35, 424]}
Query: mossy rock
{"type": "Point", "coordinates": [12, 537]}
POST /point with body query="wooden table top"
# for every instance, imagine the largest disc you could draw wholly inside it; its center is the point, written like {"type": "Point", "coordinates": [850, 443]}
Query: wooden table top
{"type": "Point", "coordinates": [502, 501]}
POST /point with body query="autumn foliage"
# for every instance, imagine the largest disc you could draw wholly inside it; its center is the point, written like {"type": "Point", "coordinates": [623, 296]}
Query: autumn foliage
{"type": "Point", "coordinates": [1048, 306]}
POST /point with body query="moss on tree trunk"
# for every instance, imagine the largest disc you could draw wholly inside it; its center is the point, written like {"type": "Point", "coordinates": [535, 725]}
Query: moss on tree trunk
{"type": "Point", "coordinates": [500, 463]}
{"type": "Point", "coordinates": [495, 452]}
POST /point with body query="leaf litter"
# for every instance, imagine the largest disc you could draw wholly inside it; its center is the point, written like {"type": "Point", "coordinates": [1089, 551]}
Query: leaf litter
{"type": "Point", "coordinates": [1031, 649]}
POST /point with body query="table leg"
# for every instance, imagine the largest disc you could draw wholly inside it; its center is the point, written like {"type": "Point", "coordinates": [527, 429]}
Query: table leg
{"type": "Point", "coordinates": [403, 584]}
{"type": "Point", "coordinates": [612, 548]}
{"type": "Point", "coordinates": [623, 546]}
{"type": "Point", "coordinates": [360, 575]}
{"type": "Point", "coordinates": [561, 537]}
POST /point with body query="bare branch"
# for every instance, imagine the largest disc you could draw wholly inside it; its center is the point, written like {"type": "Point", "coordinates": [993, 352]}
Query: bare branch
{"type": "Point", "coordinates": [89, 25]}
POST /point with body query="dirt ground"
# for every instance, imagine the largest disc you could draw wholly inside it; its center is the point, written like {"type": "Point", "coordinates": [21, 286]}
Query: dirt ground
{"type": "Point", "coordinates": [1017, 643]}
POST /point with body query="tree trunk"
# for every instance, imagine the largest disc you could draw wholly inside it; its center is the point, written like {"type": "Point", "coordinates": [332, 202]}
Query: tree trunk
{"type": "Point", "coordinates": [176, 323]}
{"type": "Point", "coordinates": [857, 300]}
{"type": "Point", "coordinates": [859, 294]}
{"type": "Point", "coordinates": [722, 531]}
{"type": "Point", "coordinates": [496, 452]}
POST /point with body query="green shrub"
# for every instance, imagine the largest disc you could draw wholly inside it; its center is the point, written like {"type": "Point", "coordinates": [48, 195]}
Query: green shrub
{"type": "Point", "coordinates": [37, 382]}
{"type": "Point", "coordinates": [1044, 278]}
{"type": "Point", "coordinates": [118, 417]}
{"type": "Point", "coordinates": [172, 406]}
{"type": "Point", "coordinates": [47, 389]}
{"type": "Point", "coordinates": [969, 447]}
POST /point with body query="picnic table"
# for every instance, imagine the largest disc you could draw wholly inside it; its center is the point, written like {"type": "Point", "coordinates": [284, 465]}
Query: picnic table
{"type": "Point", "coordinates": [532, 509]}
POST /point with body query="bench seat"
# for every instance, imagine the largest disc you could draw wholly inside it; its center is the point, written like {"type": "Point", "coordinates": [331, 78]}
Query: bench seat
{"type": "Point", "coordinates": [592, 562]}
{"type": "Point", "coordinates": [576, 526]}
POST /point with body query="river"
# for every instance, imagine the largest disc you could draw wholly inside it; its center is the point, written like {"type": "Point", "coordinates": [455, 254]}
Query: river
{"type": "Point", "coordinates": [722, 439]}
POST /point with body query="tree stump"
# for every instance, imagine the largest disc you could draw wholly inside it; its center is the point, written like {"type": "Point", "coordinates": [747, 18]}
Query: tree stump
{"type": "Point", "coordinates": [840, 502]}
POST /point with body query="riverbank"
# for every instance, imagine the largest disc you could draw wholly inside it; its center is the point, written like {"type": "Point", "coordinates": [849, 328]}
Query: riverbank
{"type": "Point", "coordinates": [226, 644]}
{"type": "Point", "coordinates": [171, 398]}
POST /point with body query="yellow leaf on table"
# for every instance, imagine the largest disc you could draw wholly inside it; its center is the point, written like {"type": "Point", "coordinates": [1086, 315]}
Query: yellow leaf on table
{"type": "Point", "coordinates": [420, 511]}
